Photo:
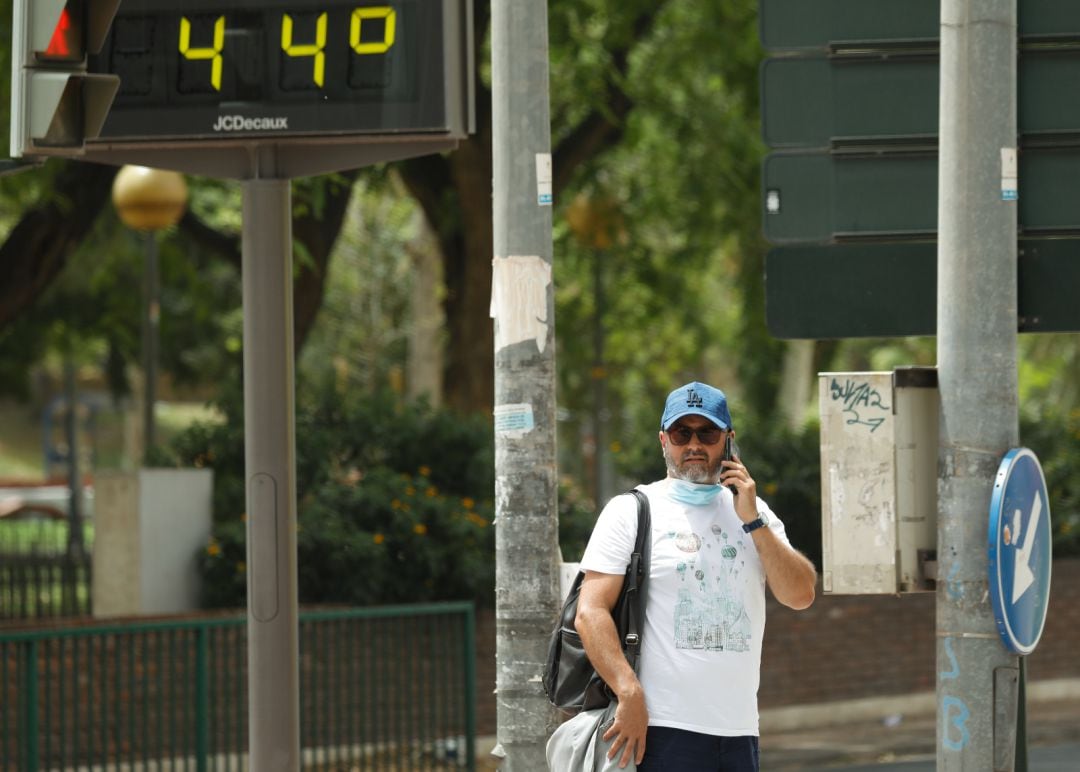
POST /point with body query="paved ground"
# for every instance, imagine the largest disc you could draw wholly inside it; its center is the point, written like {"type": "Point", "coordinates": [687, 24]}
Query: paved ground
{"type": "Point", "coordinates": [901, 744]}
{"type": "Point", "coordinates": [909, 744]}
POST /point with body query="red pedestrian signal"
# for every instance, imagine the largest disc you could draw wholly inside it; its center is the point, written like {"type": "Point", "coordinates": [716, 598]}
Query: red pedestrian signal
{"type": "Point", "coordinates": [55, 103]}
{"type": "Point", "coordinates": [65, 44]}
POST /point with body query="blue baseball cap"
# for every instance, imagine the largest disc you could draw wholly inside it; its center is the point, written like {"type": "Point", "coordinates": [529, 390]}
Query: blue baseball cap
{"type": "Point", "coordinates": [696, 399]}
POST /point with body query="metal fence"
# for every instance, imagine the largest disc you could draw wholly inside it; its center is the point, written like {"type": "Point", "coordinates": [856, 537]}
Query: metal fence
{"type": "Point", "coordinates": [39, 577]}
{"type": "Point", "coordinates": [389, 688]}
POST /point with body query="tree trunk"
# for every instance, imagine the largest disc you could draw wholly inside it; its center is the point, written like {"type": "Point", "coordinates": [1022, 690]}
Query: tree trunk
{"type": "Point", "coordinates": [469, 378]}
{"type": "Point", "coordinates": [425, 359]}
{"type": "Point", "coordinates": [455, 194]}
{"type": "Point", "coordinates": [317, 231]}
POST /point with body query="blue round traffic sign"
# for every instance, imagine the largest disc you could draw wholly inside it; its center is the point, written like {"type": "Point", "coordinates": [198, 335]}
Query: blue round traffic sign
{"type": "Point", "coordinates": [1019, 541]}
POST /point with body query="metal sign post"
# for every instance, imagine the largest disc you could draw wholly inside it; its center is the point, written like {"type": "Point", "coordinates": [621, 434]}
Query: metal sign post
{"type": "Point", "coordinates": [270, 469]}
{"type": "Point", "coordinates": [977, 678]}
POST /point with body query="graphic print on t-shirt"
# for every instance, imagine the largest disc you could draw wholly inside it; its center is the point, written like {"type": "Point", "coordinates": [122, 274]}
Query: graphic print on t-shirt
{"type": "Point", "coordinates": [709, 614]}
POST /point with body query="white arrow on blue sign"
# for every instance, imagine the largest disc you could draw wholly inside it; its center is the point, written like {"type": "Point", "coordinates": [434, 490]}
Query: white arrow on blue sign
{"type": "Point", "coordinates": [1020, 550]}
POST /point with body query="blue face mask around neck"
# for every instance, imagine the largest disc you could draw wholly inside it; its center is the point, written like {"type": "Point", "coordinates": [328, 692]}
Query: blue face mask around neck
{"type": "Point", "coordinates": [694, 494]}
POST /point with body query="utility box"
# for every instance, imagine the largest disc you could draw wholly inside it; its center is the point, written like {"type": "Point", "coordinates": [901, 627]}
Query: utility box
{"type": "Point", "coordinates": [879, 447]}
{"type": "Point", "coordinates": [149, 528]}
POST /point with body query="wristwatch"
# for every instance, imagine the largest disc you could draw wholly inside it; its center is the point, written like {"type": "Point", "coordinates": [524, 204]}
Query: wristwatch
{"type": "Point", "coordinates": [753, 525]}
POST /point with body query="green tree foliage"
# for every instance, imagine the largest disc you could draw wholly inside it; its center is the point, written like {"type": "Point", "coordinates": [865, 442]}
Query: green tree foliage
{"type": "Point", "coordinates": [1054, 435]}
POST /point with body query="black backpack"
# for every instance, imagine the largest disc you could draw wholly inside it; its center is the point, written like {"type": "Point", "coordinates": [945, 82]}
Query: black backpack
{"type": "Point", "coordinates": [570, 681]}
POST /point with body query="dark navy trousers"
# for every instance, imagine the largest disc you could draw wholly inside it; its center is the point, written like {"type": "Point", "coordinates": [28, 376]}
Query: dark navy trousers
{"type": "Point", "coordinates": [676, 750]}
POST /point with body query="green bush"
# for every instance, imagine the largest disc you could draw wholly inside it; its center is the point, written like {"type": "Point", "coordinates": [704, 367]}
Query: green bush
{"type": "Point", "coordinates": [394, 502]}
{"type": "Point", "coordinates": [786, 464]}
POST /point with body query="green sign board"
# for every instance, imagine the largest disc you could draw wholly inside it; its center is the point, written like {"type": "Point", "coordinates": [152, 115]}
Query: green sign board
{"type": "Point", "coordinates": [818, 101]}
{"type": "Point", "coordinates": [821, 197]}
{"type": "Point", "coordinates": [814, 101]}
{"type": "Point", "coordinates": [788, 25]}
{"type": "Point", "coordinates": [890, 290]}
{"type": "Point", "coordinates": [851, 198]}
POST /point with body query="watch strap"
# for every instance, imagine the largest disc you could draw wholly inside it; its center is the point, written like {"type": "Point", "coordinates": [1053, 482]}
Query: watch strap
{"type": "Point", "coordinates": [753, 525]}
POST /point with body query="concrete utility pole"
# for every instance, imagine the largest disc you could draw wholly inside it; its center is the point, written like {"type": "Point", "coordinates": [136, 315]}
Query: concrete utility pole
{"type": "Point", "coordinates": [526, 535]}
{"type": "Point", "coordinates": [977, 678]}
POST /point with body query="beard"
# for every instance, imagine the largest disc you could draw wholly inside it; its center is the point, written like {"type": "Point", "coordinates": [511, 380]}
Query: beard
{"type": "Point", "coordinates": [681, 469]}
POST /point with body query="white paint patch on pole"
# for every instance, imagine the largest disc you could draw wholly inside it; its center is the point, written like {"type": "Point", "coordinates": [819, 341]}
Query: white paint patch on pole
{"type": "Point", "coordinates": [519, 300]}
{"type": "Point", "coordinates": [544, 195]}
{"type": "Point", "coordinates": [1010, 174]}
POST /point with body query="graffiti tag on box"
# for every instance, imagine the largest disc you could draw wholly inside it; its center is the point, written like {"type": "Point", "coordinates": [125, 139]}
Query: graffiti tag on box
{"type": "Point", "coordinates": [863, 404]}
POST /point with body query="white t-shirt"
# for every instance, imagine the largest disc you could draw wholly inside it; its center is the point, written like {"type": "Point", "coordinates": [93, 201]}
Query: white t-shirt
{"type": "Point", "coordinates": [705, 612]}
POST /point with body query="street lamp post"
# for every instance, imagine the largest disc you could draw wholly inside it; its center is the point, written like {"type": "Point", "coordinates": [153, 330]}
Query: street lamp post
{"type": "Point", "coordinates": [149, 200]}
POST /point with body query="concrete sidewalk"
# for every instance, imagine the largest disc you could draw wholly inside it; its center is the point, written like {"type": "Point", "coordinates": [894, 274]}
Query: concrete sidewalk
{"type": "Point", "coordinates": [893, 734]}
{"type": "Point", "coordinates": [908, 743]}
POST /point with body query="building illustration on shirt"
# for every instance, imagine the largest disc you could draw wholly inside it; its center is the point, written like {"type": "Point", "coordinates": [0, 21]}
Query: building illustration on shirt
{"type": "Point", "coordinates": [709, 613]}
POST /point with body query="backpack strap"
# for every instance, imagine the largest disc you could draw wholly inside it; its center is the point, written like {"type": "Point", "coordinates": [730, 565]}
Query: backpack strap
{"type": "Point", "coordinates": [636, 583]}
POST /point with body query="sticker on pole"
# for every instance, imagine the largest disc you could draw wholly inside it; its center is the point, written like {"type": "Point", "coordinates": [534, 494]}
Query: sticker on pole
{"type": "Point", "coordinates": [544, 178]}
{"type": "Point", "coordinates": [1020, 552]}
{"type": "Point", "coordinates": [1010, 175]}
{"type": "Point", "coordinates": [514, 421]}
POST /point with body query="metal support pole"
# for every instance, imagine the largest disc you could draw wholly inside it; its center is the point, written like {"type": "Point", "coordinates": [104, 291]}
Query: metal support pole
{"type": "Point", "coordinates": [76, 544]}
{"type": "Point", "coordinates": [526, 536]}
{"type": "Point", "coordinates": [977, 679]}
{"type": "Point", "coordinates": [270, 466]}
{"type": "Point", "coordinates": [151, 326]}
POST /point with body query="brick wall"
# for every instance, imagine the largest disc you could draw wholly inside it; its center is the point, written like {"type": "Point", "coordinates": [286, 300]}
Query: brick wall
{"type": "Point", "coordinates": [850, 646]}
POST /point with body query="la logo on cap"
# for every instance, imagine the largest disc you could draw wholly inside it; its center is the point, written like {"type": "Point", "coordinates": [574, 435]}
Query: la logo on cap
{"type": "Point", "coordinates": [693, 399]}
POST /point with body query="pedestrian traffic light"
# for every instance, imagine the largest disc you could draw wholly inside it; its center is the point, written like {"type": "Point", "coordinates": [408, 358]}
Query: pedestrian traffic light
{"type": "Point", "coordinates": [55, 103]}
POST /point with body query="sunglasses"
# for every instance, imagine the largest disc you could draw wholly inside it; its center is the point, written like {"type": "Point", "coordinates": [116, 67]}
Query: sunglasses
{"type": "Point", "coordinates": [681, 435]}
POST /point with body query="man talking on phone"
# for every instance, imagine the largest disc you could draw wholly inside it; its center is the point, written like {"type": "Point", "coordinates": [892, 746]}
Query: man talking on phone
{"type": "Point", "coordinates": [692, 706]}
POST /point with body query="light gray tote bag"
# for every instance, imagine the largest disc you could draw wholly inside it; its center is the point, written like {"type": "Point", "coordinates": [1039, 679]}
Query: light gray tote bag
{"type": "Point", "coordinates": [578, 744]}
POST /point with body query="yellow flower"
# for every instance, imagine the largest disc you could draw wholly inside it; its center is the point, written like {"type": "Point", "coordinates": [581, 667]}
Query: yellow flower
{"type": "Point", "coordinates": [213, 549]}
{"type": "Point", "coordinates": [616, 447]}
{"type": "Point", "coordinates": [771, 488]}
{"type": "Point", "coordinates": [396, 504]}
{"type": "Point", "coordinates": [431, 492]}
{"type": "Point", "coordinates": [419, 529]}
{"type": "Point", "coordinates": [410, 491]}
{"type": "Point", "coordinates": [424, 471]}
{"type": "Point", "coordinates": [475, 518]}
{"type": "Point", "coordinates": [468, 503]}
{"type": "Point", "coordinates": [378, 538]}
{"type": "Point", "coordinates": [241, 567]}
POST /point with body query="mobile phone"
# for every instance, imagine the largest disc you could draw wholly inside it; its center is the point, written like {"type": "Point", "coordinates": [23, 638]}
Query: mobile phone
{"type": "Point", "coordinates": [731, 451]}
